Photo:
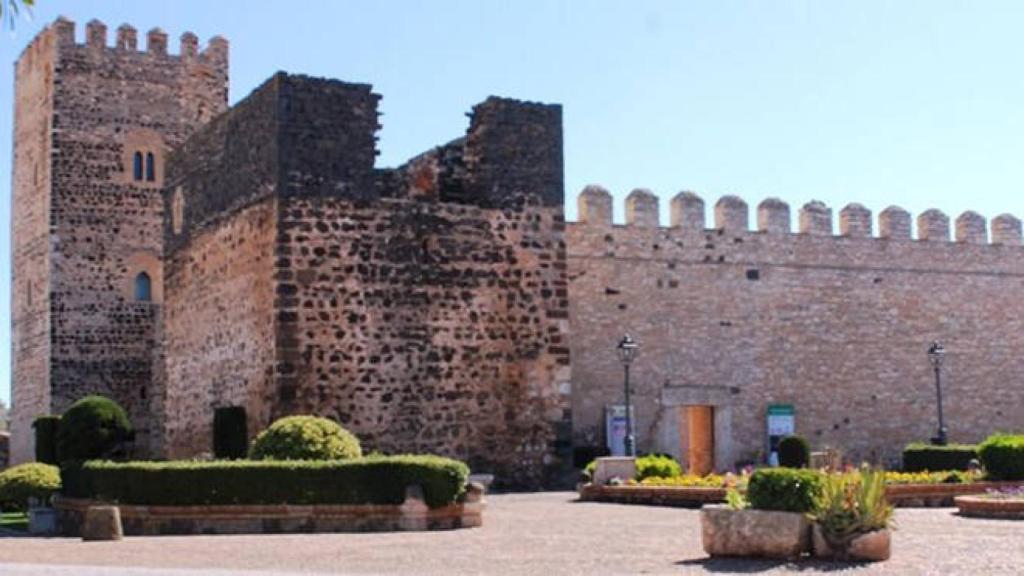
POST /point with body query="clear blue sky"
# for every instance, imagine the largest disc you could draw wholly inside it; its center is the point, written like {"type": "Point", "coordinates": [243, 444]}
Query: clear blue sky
{"type": "Point", "coordinates": [915, 103]}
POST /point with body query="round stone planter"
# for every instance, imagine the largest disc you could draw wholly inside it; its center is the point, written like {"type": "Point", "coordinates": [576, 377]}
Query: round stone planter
{"type": "Point", "coordinates": [985, 507]}
{"type": "Point", "coordinates": [869, 547]}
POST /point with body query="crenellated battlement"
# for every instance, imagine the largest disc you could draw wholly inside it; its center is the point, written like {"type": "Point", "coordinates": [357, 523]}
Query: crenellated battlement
{"type": "Point", "coordinates": [63, 30]}
{"type": "Point", "coordinates": [731, 214]}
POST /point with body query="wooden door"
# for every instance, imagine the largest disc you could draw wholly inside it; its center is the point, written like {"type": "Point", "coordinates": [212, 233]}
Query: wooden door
{"type": "Point", "coordinates": [700, 454]}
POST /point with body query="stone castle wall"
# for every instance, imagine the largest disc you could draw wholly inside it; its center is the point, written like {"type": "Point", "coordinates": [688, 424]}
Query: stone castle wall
{"type": "Point", "coordinates": [97, 106]}
{"type": "Point", "coordinates": [837, 326]}
{"type": "Point", "coordinates": [424, 307]}
{"type": "Point", "coordinates": [30, 233]}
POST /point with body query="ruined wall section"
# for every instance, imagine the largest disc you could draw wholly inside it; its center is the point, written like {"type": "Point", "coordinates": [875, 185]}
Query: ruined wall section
{"type": "Point", "coordinates": [835, 325]}
{"type": "Point", "coordinates": [30, 232]}
{"type": "Point", "coordinates": [434, 318]}
{"type": "Point", "coordinates": [109, 104]}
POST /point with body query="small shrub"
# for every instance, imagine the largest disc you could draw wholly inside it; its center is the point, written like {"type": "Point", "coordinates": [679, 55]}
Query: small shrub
{"type": "Point", "coordinates": [785, 489]}
{"type": "Point", "coordinates": [1002, 455]}
{"type": "Point", "coordinates": [852, 503]}
{"type": "Point", "coordinates": [305, 438]}
{"type": "Point", "coordinates": [657, 466]}
{"type": "Point", "coordinates": [34, 480]}
{"type": "Point", "coordinates": [93, 427]}
{"type": "Point", "coordinates": [370, 480]}
{"type": "Point", "coordinates": [46, 438]}
{"type": "Point", "coordinates": [794, 452]}
{"type": "Point", "coordinates": [230, 434]}
{"type": "Point", "coordinates": [921, 457]}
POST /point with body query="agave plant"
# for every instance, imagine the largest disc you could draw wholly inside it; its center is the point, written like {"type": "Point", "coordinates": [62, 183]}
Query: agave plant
{"type": "Point", "coordinates": [852, 503]}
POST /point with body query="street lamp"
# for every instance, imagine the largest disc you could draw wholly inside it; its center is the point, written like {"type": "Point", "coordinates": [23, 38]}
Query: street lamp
{"type": "Point", "coordinates": [936, 353]}
{"type": "Point", "coordinates": [628, 349]}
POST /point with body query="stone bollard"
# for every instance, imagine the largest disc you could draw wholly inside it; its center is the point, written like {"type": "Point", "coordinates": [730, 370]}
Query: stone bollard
{"type": "Point", "coordinates": [102, 523]}
{"type": "Point", "coordinates": [473, 506]}
{"type": "Point", "coordinates": [414, 510]}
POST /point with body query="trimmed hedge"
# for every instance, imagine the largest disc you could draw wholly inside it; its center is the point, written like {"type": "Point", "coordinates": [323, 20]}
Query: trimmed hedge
{"type": "Point", "coordinates": [230, 434]}
{"type": "Point", "coordinates": [46, 438]}
{"type": "Point", "coordinates": [1002, 455]}
{"type": "Point", "coordinates": [370, 480]}
{"type": "Point", "coordinates": [921, 457]}
{"type": "Point", "coordinates": [93, 427]}
{"type": "Point", "coordinates": [305, 438]}
{"type": "Point", "coordinates": [33, 480]}
{"type": "Point", "coordinates": [794, 452]}
{"type": "Point", "coordinates": [786, 489]}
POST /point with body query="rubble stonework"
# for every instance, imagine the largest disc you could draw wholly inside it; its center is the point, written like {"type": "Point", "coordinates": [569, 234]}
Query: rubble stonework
{"type": "Point", "coordinates": [435, 307]}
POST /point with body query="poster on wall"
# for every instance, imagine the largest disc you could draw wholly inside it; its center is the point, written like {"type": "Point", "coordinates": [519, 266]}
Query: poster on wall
{"type": "Point", "coordinates": [615, 428]}
{"type": "Point", "coordinates": [781, 423]}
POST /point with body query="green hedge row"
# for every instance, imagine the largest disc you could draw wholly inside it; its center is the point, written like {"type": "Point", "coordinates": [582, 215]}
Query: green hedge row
{"type": "Point", "coordinates": [921, 457]}
{"type": "Point", "coordinates": [1003, 456]}
{"type": "Point", "coordinates": [370, 480]}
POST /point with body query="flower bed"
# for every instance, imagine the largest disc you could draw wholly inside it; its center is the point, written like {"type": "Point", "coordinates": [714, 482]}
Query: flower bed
{"type": "Point", "coordinates": [1006, 504]}
{"type": "Point", "coordinates": [903, 489]}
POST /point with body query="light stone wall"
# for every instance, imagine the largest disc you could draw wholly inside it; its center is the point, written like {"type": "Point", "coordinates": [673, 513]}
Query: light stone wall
{"type": "Point", "coordinates": [836, 326]}
{"type": "Point", "coordinates": [219, 328]}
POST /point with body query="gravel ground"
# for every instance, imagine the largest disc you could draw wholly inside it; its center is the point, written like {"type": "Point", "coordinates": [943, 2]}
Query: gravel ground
{"type": "Point", "coordinates": [544, 533]}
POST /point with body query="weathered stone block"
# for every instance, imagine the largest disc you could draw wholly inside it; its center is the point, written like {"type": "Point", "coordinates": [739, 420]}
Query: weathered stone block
{"type": "Point", "coordinates": [771, 534]}
{"type": "Point", "coordinates": [621, 467]}
{"type": "Point", "coordinates": [102, 523]}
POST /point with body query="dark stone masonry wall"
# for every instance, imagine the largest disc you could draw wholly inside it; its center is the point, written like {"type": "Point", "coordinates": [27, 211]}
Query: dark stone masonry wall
{"type": "Point", "coordinates": [428, 327]}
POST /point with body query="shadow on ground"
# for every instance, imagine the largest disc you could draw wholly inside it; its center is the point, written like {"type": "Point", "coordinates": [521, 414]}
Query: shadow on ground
{"type": "Point", "coordinates": [753, 566]}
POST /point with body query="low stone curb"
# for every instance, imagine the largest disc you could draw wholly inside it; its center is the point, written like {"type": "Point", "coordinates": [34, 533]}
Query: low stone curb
{"type": "Point", "coordinates": [412, 515]}
{"type": "Point", "coordinates": [900, 495]}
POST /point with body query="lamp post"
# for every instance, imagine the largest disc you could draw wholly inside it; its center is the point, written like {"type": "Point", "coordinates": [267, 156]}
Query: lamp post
{"type": "Point", "coordinates": [628, 349]}
{"type": "Point", "coordinates": [936, 353]}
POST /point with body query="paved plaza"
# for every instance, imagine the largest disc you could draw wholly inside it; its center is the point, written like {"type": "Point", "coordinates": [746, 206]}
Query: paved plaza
{"type": "Point", "coordinates": [537, 534]}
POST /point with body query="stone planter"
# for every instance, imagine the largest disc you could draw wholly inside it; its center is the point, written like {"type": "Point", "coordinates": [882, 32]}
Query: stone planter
{"type": "Point", "coordinates": [982, 507]}
{"type": "Point", "coordinates": [873, 546]}
{"type": "Point", "coordinates": [728, 532]}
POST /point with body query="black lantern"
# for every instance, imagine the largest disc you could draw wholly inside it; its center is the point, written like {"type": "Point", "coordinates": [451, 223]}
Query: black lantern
{"type": "Point", "coordinates": [628, 350]}
{"type": "Point", "coordinates": [936, 354]}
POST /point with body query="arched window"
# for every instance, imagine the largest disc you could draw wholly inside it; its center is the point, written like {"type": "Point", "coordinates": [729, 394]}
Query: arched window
{"type": "Point", "coordinates": [143, 288]}
{"type": "Point", "coordinates": [150, 167]}
{"type": "Point", "coordinates": [137, 166]}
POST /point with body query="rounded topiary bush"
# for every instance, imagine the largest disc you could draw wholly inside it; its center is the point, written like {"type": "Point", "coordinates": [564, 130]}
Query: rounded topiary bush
{"type": "Point", "coordinates": [25, 481]}
{"type": "Point", "coordinates": [657, 466]}
{"type": "Point", "coordinates": [94, 427]}
{"type": "Point", "coordinates": [1002, 455]}
{"type": "Point", "coordinates": [794, 452]}
{"type": "Point", "coordinates": [305, 438]}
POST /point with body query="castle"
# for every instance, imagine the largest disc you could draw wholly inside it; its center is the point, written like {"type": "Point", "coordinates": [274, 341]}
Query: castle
{"type": "Point", "coordinates": [182, 257]}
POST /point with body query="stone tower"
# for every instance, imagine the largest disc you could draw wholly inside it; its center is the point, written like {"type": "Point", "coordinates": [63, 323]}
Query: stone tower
{"type": "Point", "coordinates": [92, 126]}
